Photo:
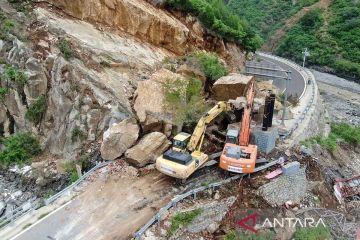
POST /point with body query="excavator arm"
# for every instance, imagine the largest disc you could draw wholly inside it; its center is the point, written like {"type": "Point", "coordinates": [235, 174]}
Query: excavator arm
{"type": "Point", "coordinates": [199, 132]}
{"type": "Point", "coordinates": [246, 120]}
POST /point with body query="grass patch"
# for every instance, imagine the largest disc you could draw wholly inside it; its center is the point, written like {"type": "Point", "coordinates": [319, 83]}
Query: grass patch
{"type": "Point", "coordinates": [4, 222]}
{"type": "Point", "coordinates": [36, 110]}
{"type": "Point", "coordinates": [16, 75]}
{"type": "Point", "coordinates": [19, 148]}
{"type": "Point", "coordinates": [342, 131]}
{"type": "Point", "coordinates": [315, 233]}
{"type": "Point", "coordinates": [3, 92]}
{"type": "Point", "coordinates": [70, 169]}
{"type": "Point", "coordinates": [182, 219]}
{"type": "Point", "coordinates": [27, 225]}
{"type": "Point", "coordinates": [65, 48]}
{"type": "Point", "coordinates": [43, 215]}
{"type": "Point", "coordinates": [230, 235]}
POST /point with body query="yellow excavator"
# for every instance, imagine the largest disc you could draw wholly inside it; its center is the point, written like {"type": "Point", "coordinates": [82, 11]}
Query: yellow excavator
{"type": "Point", "coordinates": [185, 156]}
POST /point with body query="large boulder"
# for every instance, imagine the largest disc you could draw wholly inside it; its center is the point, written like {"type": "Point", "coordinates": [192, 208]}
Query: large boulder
{"type": "Point", "coordinates": [118, 138]}
{"type": "Point", "coordinates": [148, 149]}
{"type": "Point", "coordinates": [150, 102]}
{"type": "Point", "coordinates": [231, 86]}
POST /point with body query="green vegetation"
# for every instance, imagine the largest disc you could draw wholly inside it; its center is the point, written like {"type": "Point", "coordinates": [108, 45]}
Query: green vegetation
{"type": "Point", "coordinates": [267, 16]}
{"type": "Point", "coordinates": [233, 235]}
{"type": "Point", "coordinates": [70, 169]}
{"type": "Point", "coordinates": [342, 131]}
{"type": "Point", "coordinates": [315, 233]}
{"type": "Point", "coordinates": [184, 100]}
{"type": "Point", "coordinates": [210, 64]}
{"type": "Point", "coordinates": [182, 219]}
{"type": "Point", "coordinates": [77, 134]}
{"type": "Point", "coordinates": [27, 225]}
{"type": "Point", "coordinates": [230, 235]}
{"type": "Point", "coordinates": [36, 110]}
{"type": "Point", "coordinates": [24, 6]}
{"type": "Point", "coordinates": [3, 92]}
{"type": "Point", "coordinates": [65, 48]}
{"type": "Point", "coordinates": [333, 38]}
{"type": "Point", "coordinates": [6, 26]}
{"type": "Point", "coordinates": [15, 75]}
{"type": "Point", "coordinates": [43, 215]}
{"type": "Point", "coordinates": [19, 148]}
{"type": "Point", "coordinates": [219, 19]}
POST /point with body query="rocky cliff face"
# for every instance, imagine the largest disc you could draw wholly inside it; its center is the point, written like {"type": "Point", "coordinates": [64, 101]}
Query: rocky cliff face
{"type": "Point", "coordinates": [115, 45]}
{"type": "Point", "coordinates": [177, 32]}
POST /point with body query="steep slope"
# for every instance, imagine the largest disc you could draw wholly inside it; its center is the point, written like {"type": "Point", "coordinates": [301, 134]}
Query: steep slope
{"type": "Point", "coordinates": [266, 16]}
{"type": "Point", "coordinates": [272, 43]}
{"type": "Point", "coordinates": [332, 36]}
{"type": "Point", "coordinates": [84, 60]}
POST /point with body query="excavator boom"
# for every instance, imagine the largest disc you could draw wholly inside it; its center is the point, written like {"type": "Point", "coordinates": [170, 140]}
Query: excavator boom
{"type": "Point", "coordinates": [241, 157]}
{"type": "Point", "coordinates": [180, 161]}
{"type": "Point", "coordinates": [246, 120]}
{"type": "Point", "coordinates": [199, 132]}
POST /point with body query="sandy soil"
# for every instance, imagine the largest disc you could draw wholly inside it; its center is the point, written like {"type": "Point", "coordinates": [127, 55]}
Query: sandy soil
{"type": "Point", "coordinates": [112, 206]}
{"type": "Point", "coordinates": [120, 206]}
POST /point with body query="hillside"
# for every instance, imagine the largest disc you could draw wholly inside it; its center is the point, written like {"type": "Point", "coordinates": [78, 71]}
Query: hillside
{"type": "Point", "coordinates": [329, 29]}
{"type": "Point", "coordinates": [267, 16]}
{"type": "Point", "coordinates": [333, 37]}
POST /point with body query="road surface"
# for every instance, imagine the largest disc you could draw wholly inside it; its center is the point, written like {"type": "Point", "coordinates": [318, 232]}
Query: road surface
{"type": "Point", "coordinates": [112, 208]}
{"type": "Point", "coordinates": [295, 87]}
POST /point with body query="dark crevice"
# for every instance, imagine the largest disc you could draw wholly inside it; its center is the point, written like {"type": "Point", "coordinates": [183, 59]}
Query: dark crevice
{"type": "Point", "coordinates": [11, 122]}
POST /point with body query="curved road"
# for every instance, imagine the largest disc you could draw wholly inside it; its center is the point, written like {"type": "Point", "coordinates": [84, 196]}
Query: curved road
{"type": "Point", "coordinates": [296, 85]}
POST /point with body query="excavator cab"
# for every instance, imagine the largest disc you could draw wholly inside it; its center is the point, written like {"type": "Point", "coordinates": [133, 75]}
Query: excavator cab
{"type": "Point", "coordinates": [181, 141]}
{"type": "Point", "coordinates": [232, 136]}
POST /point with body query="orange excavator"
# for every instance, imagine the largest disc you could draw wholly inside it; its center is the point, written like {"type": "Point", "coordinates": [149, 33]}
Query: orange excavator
{"type": "Point", "coordinates": [238, 155]}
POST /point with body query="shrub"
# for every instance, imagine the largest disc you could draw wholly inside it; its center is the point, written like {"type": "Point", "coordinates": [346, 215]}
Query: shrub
{"type": "Point", "coordinates": [230, 235]}
{"type": "Point", "coordinates": [3, 92]}
{"type": "Point", "coordinates": [19, 148]}
{"type": "Point", "coordinates": [77, 134]}
{"type": "Point", "coordinates": [338, 131]}
{"type": "Point", "coordinates": [185, 102]}
{"type": "Point", "coordinates": [65, 49]}
{"type": "Point", "coordinates": [211, 65]}
{"type": "Point", "coordinates": [36, 110]}
{"type": "Point", "coordinates": [217, 17]}
{"type": "Point", "coordinates": [315, 233]}
{"type": "Point", "coordinates": [15, 75]}
{"type": "Point", "coordinates": [70, 169]}
{"type": "Point", "coordinates": [182, 219]}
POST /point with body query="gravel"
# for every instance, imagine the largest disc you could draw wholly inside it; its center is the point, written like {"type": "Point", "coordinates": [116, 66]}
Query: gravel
{"type": "Point", "coordinates": [341, 98]}
{"type": "Point", "coordinates": [286, 188]}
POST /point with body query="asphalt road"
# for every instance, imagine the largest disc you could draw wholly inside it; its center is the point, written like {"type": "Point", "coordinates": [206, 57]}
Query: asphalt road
{"type": "Point", "coordinates": [296, 85]}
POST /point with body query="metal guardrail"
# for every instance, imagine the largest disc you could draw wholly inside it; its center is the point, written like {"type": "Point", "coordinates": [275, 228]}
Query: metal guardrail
{"type": "Point", "coordinates": [179, 198]}
{"type": "Point", "coordinates": [308, 77]}
{"type": "Point", "coordinates": [32, 204]}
